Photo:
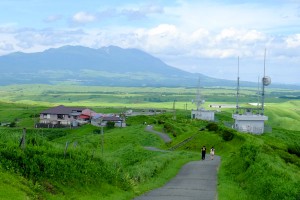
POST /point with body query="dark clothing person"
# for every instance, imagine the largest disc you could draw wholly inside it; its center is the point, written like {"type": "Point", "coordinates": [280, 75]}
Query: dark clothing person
{"type": "Point", "coordinates": [203, 149]}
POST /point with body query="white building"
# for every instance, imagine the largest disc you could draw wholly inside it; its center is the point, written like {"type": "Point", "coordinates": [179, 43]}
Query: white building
{"type": "Point", "coordinates": [249, 122]}
{"type": "Point", "coordinates": [202, 114]}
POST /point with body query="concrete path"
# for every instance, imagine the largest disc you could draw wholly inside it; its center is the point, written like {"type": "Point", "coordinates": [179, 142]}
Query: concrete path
{"type": "Point", "coordinates": [196, 180]}
{"type": "Point", "coordinates": [156, 149]}
{"type": "Point", "coordinates": [163, 136]}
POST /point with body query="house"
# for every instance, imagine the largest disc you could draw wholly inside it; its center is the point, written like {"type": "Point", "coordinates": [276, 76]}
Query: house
{"type": "Point", "coordinates": [72, 116]}
{"type": "Point", "coordinates": [119, 122]}
{"type": "Point", "coordinates": [61, 115]}
{"type": "Point", "coordinates": [102, 120]}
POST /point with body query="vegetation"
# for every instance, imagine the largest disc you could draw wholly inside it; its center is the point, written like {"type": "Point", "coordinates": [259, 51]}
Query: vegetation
{"type": "Point", "coordinates": [83, 164]}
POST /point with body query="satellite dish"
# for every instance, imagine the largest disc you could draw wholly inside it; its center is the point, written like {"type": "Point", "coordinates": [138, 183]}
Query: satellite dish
{"type": "Point", "coordinates": [266, 80]}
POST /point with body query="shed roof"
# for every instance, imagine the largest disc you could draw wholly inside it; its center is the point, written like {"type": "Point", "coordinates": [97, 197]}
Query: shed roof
{"type": "Point", "coordinates": [112, 118]}
{"type": "Point", "coordinates": [61, 109]}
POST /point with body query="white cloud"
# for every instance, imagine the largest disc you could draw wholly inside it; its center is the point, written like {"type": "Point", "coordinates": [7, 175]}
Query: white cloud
{"type": "Point", "coordinates": [164, 30]}
{"type": "Point", "coordinates": [218, 15]}
{"type": "Point", "coordinates": [246, 36]}
{"type": "Point", "coordinates": [52, 18]}
{"type": "Point", "coordinates": [83, 17]}
{"type": "Point", "coordinates": [293, 41]}
{"type": "Point", "coordinates": [5, 46]}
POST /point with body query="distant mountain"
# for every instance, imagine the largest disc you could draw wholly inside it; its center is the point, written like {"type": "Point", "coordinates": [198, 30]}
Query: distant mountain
{"type": "Point", "coordinates": [107, 66]}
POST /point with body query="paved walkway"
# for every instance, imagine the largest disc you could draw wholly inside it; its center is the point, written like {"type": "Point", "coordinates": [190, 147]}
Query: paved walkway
{"type": "Point", "coordinates": [196, 180]}
{"type": "Point", "coordinates": [163, 136]}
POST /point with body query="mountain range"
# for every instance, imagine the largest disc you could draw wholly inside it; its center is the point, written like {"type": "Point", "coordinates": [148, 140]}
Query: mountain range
{"type": "Point", "coordinates": [106, 66]}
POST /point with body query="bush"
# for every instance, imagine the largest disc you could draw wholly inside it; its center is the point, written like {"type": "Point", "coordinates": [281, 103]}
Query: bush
{"type": "Point", "coordinates": [248, 153]}
{"type": "Point", "coordinates": [110, 124]}
{"type": "Point", "coordinates": [294, 149]}
{"type": "Point", "coordinates": [168, 127]}
{"type": "Point", "coordinates": [13, 124]}
{"type": "Point", "coordinates": [227, 135]}
{"type": "Point", "coordinates": [212, 126]}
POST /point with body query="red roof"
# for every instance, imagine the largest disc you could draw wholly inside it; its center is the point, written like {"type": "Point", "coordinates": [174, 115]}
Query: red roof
{"type": "Point", "coordinates": [84, 117]}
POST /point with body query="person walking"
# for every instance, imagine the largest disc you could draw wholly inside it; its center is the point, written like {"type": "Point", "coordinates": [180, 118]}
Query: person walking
{"type": "Point", "coordinates": [212, 153]}
{"type": "Point", "coordinates": [203, 150]}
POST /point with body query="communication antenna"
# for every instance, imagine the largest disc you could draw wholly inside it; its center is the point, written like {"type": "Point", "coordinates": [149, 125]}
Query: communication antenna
{"type": "Point", "coordinates": [238, 87]}
{"type": "Point", "coordinates": [199, 101]}
{"type": "Point", "coordinates": [265, 82]}
{"type": "Point", "coordinates": [258, 93]}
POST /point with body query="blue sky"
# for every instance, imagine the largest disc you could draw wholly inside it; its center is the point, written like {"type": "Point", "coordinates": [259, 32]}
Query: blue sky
{"type": "Point", "coordinates": [202, 36]}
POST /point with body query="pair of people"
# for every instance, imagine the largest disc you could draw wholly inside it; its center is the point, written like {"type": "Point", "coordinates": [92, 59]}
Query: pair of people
{"type": "Point", "coordinates": [212, 152]}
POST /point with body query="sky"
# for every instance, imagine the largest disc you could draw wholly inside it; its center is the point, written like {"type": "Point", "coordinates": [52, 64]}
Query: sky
{"type": "Point", "coordinates": [203, 36]}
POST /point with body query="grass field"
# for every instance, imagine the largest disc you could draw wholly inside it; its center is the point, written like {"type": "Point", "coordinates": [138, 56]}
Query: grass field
{"type": "Point", "coordinates": [253, 167]}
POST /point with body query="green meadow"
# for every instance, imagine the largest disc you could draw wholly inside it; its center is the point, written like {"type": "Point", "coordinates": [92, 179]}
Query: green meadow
{"type": "Point", "coordinates": [83, 164]}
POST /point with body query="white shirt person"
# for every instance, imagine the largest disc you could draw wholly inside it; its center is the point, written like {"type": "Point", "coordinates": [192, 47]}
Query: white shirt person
{"type": "Point", "coordinates": [212, 153]}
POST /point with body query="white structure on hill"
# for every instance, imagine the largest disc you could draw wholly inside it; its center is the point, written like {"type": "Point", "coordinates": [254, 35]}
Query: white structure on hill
{"type": "Point", "coordinates": [250, 120]}
{"type": "Point", "coordinates": [201, 113]}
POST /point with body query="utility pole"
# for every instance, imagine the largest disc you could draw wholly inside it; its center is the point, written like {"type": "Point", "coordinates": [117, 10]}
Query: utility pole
{"type": "Point", "coordinates": [23, 140]}
{"type": "Point", "coordinates": [174, 110]}
{"type": "Point", "coordinates": [238, 88]}
{"type": "Point", "coordinates": [102, 140]}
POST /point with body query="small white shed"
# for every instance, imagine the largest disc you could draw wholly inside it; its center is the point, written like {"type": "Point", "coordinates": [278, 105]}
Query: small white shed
{"type": "Point", "coordinates": [249, 123]}
{"type": "Point", "coordinates": [203, 114]}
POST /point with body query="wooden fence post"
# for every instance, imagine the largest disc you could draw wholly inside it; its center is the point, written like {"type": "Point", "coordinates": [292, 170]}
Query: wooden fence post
{"type": "Point", "coordinates": [66, 147]}
{"type": "Point", "coordinates": [23, 139]}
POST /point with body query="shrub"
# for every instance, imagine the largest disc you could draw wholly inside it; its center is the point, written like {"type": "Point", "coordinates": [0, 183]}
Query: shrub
{"type": "Point", "coordinates": [168, 127]}
{"type": "Point", "coordinates": [248, 153]}
{"type": "Point", "coordinates": [97, 131]}
{"type": "Point", "coordinates": [110, 124]}
{"type": "Point", "coordinates": [227, 135]}
{"type": "Point", "coordinates": [294, 149]}
{"type": "Point", "coordinates": [212, 126]}
{"type": "Point", "coordinates": [13, 124]}
{"type": "Point", "coordinates": [160, 121]}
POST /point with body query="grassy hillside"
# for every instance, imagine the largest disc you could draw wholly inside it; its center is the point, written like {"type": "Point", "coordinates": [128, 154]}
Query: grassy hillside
{"type": "Point", "coordinates": [250, 164]}
{"type": "Point", "coordinates": [123, 170]}
{"type": "Point", "coordinates": [285, 115]}
{"type": "Point", "coordinates": [253, 167]}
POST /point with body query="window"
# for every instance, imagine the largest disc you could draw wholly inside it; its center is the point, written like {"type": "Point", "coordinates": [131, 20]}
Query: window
{"type": "Point", "coordinates": [59, 116]}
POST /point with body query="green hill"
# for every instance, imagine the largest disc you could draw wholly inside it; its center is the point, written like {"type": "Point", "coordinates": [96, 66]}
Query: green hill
{"type": "Point", "coordinates": [253, 167]}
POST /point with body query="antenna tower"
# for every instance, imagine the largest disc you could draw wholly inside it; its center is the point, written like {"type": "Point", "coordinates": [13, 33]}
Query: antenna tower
{"type": "Point", "coordinates": [265, 82]}
{"type": "Point", "coordinates": [258, 93]}
{"type": "Point", "coordinates": [238, 87]}
{"type": "Point", "coordinates": [199, 101]}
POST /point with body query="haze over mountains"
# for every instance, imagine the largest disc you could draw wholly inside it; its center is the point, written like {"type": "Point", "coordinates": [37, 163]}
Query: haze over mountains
{"type": "Point", "coordinates": [107, 66]}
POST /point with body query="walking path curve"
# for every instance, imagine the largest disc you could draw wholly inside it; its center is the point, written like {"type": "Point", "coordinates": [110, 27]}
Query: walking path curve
{"type": "Point", "coordinates": [197, 180]}
{"type": "Point", "coordinates": [163, 136]}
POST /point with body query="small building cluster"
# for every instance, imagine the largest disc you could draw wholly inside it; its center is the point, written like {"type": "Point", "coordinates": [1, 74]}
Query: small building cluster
{"type": "Point", "coordinates": [74, 116]}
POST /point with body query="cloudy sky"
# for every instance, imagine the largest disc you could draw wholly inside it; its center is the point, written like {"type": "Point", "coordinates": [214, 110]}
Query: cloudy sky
{"type": "Point", "coordinates": [202, 36]}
